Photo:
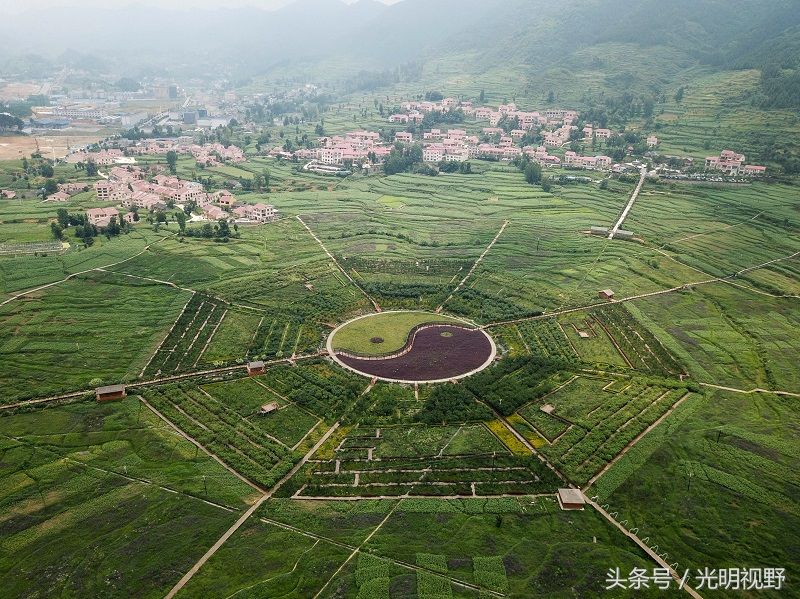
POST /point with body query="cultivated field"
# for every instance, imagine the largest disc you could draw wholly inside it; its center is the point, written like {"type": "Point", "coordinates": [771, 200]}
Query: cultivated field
{"type": "Point", "coordinates": [332, 484]}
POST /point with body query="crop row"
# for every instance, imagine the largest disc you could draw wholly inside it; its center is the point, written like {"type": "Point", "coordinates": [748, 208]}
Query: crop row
{"type": "Point", "coordinates": [319, 389]}
{"type": "Point", "coordinates": [546, 339]}
{"type": "Point", "coordinates": [580, 453]}
{"type": "Point", "coordinates": [428, 488]}
{"type": "Point", "coordinates": [278, 338]}
{"type": "Point", "coordinates": [516, 381]}
{"type": "Point", "coordinates": [223, 432]}
{"type": "Point", "coordinates": [549, 426]}
{"type": "Point", "coordinates": [640, 346]}
{"type": "Point", "coordinates": [182, 348]}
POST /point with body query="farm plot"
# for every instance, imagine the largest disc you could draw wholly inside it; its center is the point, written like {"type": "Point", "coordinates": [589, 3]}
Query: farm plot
{"type": "Point", "coordinates": [590, 422]}
{"type": "Point", "coordinates": [278, 337]}
{"type": "Point", "coordinates": [183, 347]}
{"type": "Point", "coordinates": [233, 338]}
{"type": "Point", "coordinates": [465, 460]}
{"type": "Point", "coordinates": [89, 329]}
{"type": "Point", "coordinates": [288, 424]}
{"type": "Point", "coordinates": [590, 340]}
{"type": "Point", "coordinates": [522, 547]}
{"type": "Point", "coordinates": [239, 442]}
{"type": "Point", "coordinates": [265, 560]}
{"type": "Point", "coordinates": [316, 386]}
{"type": "Point", "coordinates": [546, 339]}
{"type": "Point", "coordinates": [75, 519]}
{"type": "Point", "coordinates": [638, 346]}
{"type": "Point", "coordinates": [514, 382]}
{"type": "Point", "coordinates": [720, 467]}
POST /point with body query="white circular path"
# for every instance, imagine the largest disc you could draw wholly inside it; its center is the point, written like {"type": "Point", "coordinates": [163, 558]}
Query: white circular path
{"type": "Point", "coordinates": [467, 324]}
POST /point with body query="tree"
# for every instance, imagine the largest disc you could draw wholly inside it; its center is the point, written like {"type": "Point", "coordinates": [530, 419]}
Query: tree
{"type": "Point", "coordinates": [546, 187]}
{"type": "Point", "coordinates": [58, 232]}
{"type": "Point", "coordinates": [63, 217]}
{"type": "Point", "coordinates": [91, 168]}
{"type": "Point", "coordinates": [679, 95]}
{"type": "Point", "coordinates": [482, 97]}
{"type": "Point", "coordinates": [533, 173]}
{"type": "Point", "coordinates": [224, 230]}
{"type": "Point", "coordinates": [50, 187]}
{"type": "Point", "coordinates": [172, 161]}
{"type": "Point", "coordinates": [46, 170]}
{"type": "Point", "coordinates": [181, 218]}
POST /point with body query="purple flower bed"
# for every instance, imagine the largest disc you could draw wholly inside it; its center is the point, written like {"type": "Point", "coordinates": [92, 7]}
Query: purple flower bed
{"type": "Point", "coordinates": [440, 352]}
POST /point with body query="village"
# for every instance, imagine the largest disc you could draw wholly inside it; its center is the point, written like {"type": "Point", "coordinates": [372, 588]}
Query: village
{"type": "Point", "coordinates": [507, 137]}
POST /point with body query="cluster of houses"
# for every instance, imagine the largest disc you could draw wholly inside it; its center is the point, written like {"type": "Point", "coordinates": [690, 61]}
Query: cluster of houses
{"type": "Point", "coordinates": [130, 187]}
{"type": "Point", "coordinates": [731, 163]}
{"type": "Point", "coordinates": [456, 145]}
{"type": "Point", "coordinates": [100, 158]}
{"type": "Point", "coordinates": [209, 154]}
{"type": "Point", "coordinates": [353, 146]}
{"type": "Point", "coordinates": [414, 112]}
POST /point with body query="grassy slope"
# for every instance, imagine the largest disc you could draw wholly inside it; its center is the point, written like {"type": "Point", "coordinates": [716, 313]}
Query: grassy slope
{"type": "Point", "coordinates": [392, 327]}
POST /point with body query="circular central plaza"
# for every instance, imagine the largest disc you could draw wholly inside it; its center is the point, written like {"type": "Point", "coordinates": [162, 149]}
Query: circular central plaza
{"type": "Point", "coordinates": [411, 347]}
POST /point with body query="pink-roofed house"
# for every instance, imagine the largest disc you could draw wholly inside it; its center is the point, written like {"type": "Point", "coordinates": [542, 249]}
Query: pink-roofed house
{"type": "Point", "coordinates": [59, 196]}
{"type": "Point", "coordinates": [101, 217]}
{"type": "Point", "coordinates": [212, 212]}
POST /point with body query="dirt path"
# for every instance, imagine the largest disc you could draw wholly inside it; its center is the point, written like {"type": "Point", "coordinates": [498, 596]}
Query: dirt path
{"type": "Point", "coordinates": [158, 381]}
{"type": "Point", "coordinates": [526, 443]}
{"type": "Point", "coordinates": [83, 272]}
{"type": "Point", "coordinates": [725, 279]}
{"type": "Point", "coordinates": [474, 266]}
{"type": "Point", "coordinates": [643, 546]}
{"type": "Point", "coordinates": [751, 391]}
{"type": "Point", "coordinates": [244, 517]}
{"type": "Point", "coordinates": [634, 195]}
{"type": "Point", "coordinates": [339, 266]}
{"type": "Point", "coordinates": [634, 441]}
{"type": "Point", "coordinates": [201, 447]}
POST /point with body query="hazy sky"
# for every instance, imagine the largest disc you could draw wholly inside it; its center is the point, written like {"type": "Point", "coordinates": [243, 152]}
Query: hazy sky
{"type": "Point", "coordinates": [16, 6]}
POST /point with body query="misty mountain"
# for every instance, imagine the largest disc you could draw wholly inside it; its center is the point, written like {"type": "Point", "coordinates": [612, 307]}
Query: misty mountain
{"type": "Point", "coordinates": [534, 34]}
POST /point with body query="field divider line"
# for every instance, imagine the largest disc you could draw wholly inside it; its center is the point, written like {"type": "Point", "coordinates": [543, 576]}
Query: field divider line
{"type": "Point", "coordinates": [635, 440]}
{"type": "Point", "coordinates": [128, 477]}
{"type": "Point", "coordinates": [169, 332]}
{"type": "Point", "coordinates": [474, 266]}
{"type": "Point", "coordinates": [278, 575]}
{"type": "Point", "coordinates": [83, 272]}
{"type": "Point", "coordinates": [244, 517]}
{"type": "Point", "coordinates": [219, 403]}
{"type": "Point", "coordinates": [397, 562]}
{"type": "Point", "coordinates": [214, 332]}
{"type": "Point", "coordinates": [339, 266]}
{"type": "Point", "coordinates": [712, 231]}
{"type": "Point", "coordinates": [751, 391]}
{"type": "Point", "coordinates": [284, 398]}
{"type": "Point", "coordinates": [195, 338]}
{"type": "Point", "coordinates": [526, 443]}
{"type": "Point", "coordinates": [200, 446]}
{"type": "Point", "coordinates": [629, 205]}
{"type": "Point", "coordinates": [652, 554]}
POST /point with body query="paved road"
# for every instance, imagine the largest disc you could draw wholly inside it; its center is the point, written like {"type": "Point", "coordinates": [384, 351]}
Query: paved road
{"type": "Point", "coordinates": [628, 207]}
{"type": "Point", "coordinates": [228, 533]}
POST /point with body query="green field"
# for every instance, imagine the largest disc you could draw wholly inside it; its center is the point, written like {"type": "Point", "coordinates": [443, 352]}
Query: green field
{"type": "Point", "coordinates": [383, 333]}
{"type": "Point", "coordinates": [432, 491]}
